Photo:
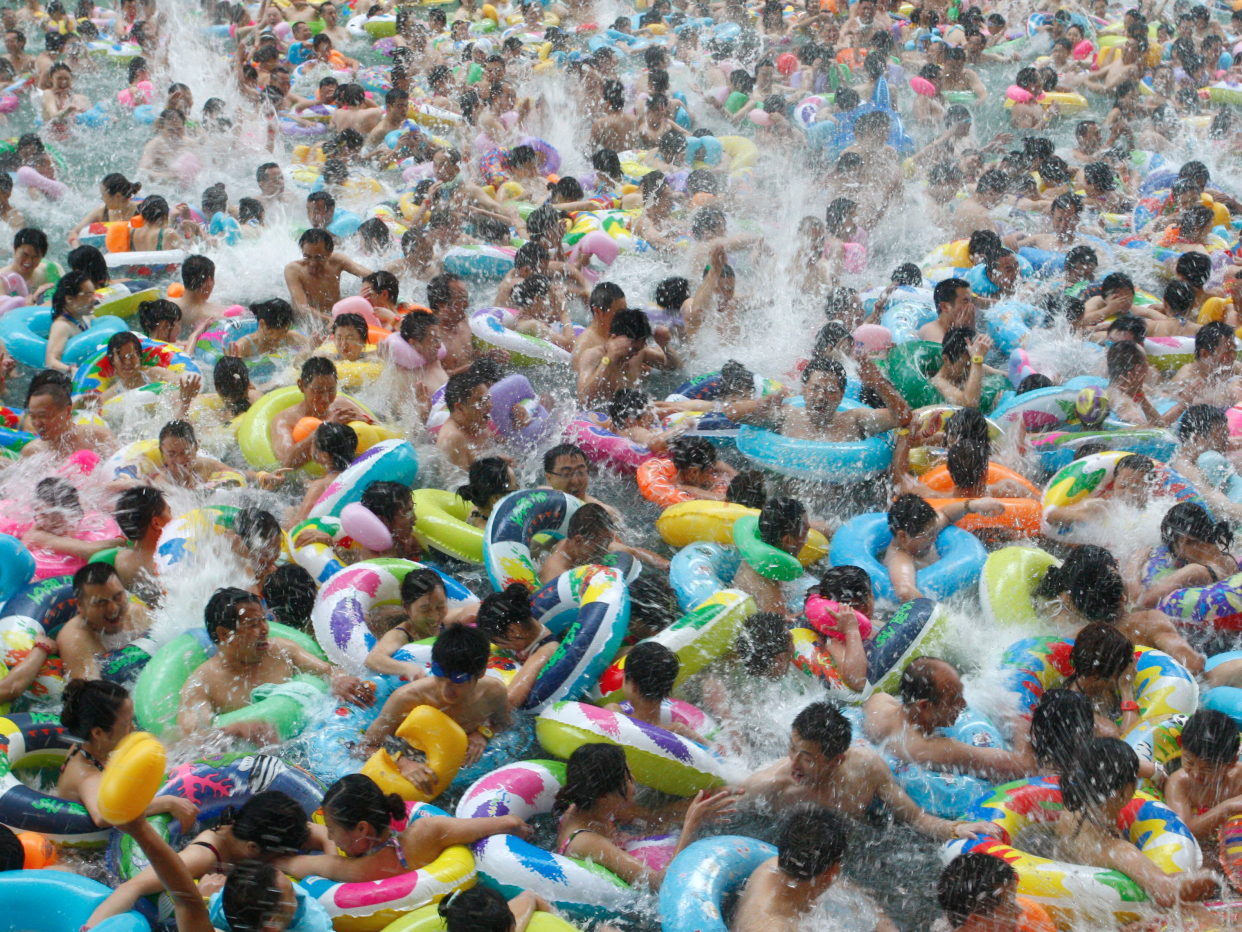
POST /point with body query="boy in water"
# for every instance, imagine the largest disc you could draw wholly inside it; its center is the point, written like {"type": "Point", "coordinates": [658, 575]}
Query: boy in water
{"type": "Point", "coordinates": [317, 382]}
{"type": "Point", "coordinates": [782, 891]}
{"type": "Point", "coordinates": [782, 524]}
{"type": "Point", "coordinates": [915, 525]}
{"type": "Point", "coordinates": [458, 688]}
{"type": "Point", "coordinates": [651, 671]}
{"type": "Point", "coordinates": [315, 280]}
{"type": "Point", "coordinates": [467, 433]}
{"type": "Point", "coordinates": [1207, 791]}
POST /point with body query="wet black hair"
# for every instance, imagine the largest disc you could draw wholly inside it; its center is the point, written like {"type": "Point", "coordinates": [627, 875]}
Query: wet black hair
{"type": "Point", "coordinates": [224, 609]}
{"type": "Point", "coordinates": [90, 260]}
{"type": "Point", "coordinates": [418, 583]}
{"type": "Point", "coordinates": [911, 514]}
{"type": "Point", "coordinates": [232, 381]}
{"type": "Point", "coordinates": [653, 603]}
{"type": "Point", "coordinates": [356, 321]}
{"type": "Point", "coordinates": [1061, 723]}
{"type": "Point", "coordinates": [386, 500]}
{"type": "Point", "coordinates": [811, 839]}
{"type": "Point", "coordinates": [763, 637]}
{"type": "Point", "coordinates": [823, 723]}
{"type": "Point", "coordinates": [278, 313]}
{"type": "Point", "coordinates": [1123, 358]}
{"type": "Point", "coordinates": [93, 574]}
{"type": "Point", "coordinates": [779, 518]}
{"type": "Point", "coordinates": [747, 488]}
{"type": "Point", "coordinates": [489, 477]}
{"type": "Point", "coordinates": [196, 270]}
{"type": "Point", "coordinates": [356, 798]}
{"type": "Point", "coordinates": [593, 772]}
{"type": "Point", "coordinates": [136, 508]}
{"type": "Point", "coordinates": [1195, 267]}
{"type": "Point", "coordinates": [500, 610]}
{"type": "Point", "coordinates": [956, 343]}
{"type": "Point", "coordinates": [339, 441]}
{"type": "Point", "coordinates": [153, 313]}
{"type": "Point", "coordinates": [1211, 736]}
{"type": "Point", "coordinates": [1034, 381]}
{"type": "Point", "coordinates": [907, 274]}
{"type": "Point", "coordinates": [653, 669]}
{"type": "Point", "coordinates": [461, 649]}
{"type": "Point", "coordinates": [967, 464]}
{"type": "Point", "coordinates": [946, 291]}
{"type": "Point", "coordinates": [1103, 767]}
{"type": "Point", "coordinates": [1189, 519]}
{"type": "Point", "coordinates": [1212, 335]}
{"type": "Point", "coordinates": [693, 451]}
{"type": "Point", "coordinates": [561, 449]}
{"type": "Point", "coordinates": [479, 909]}
{"type": "Point", "coordinates": [289, 593]}
{"type": "Point", "coordinates": [1129, 323]}
{"type": "Point", "coordinates": [1100, 650]}
{"type": "Point", "coordinates": [250, 896]}
{"type": "Point", "coordinates": [68, 287]}
{"type": "Point", "coordinates": [971, 884]}
{"type": "Point", "coordinates": [91, 704]}
{"type": "Point", "coordinates": [1091, 578]}
{"type": "Point", "coordinates": [53, 383]}
{"type": "Point", "coordinates": [12, 854]}
{"type": "Point", "coordinates": [826, 364]}
{"type": "Point", "coordinates": [1200, 419]}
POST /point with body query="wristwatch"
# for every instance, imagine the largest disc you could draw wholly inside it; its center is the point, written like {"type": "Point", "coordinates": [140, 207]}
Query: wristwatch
{"type": "Point", "coordinates": [977, 360]}
{"type": "Point", "coordinates": [486, 732]}
{"type": "Point", "coordinates": [1129, 706]}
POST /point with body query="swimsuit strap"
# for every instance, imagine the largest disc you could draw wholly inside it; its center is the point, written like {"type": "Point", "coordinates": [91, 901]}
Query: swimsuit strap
{"type": "Point", "coordinates": [212, 848]}
{"type": "Point", "coordinates": [90, 758]}
{"type": "Point", "coordinates": [574, 834]}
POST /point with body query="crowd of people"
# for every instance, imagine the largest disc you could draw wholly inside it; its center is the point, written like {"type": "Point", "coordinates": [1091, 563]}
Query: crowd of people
{"type": "Point", "coordinates": [885, 298]}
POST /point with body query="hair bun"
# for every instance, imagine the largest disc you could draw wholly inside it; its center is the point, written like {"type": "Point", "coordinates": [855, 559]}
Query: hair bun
{"type": "Point", "coordinates": [517, 592]}
{"type": "Point", "coordinates": [396, 806]}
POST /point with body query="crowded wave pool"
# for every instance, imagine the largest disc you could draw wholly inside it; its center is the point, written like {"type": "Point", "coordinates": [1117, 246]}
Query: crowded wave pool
{"type": "Point", "coordinates": [672, 467]}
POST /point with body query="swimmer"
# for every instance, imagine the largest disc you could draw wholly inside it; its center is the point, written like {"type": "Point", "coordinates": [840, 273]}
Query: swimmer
{"type": "Point", "coordinates": [142, 513]}
{"type": "Point", "coordinates": [106, 621]}
{"type": "Point", "coordinates": [314, 281]}
{"type": "Point", "coordinates": [198, 276]}
{"type": "Point", "coordinates": [49, 413]}
{"type": "Point", "coordinates": [426, 614]}
{"type": "Point", "coordinates": [505, 617]}
{"type": "Point", "coordinates": [274, 332]}
{"type": "Point", "coordinates": [915, 527]}
{"type": "Point", "coordinates": [317, 383]}
{"type": "Point", "coordinates": [334, 446]}
{"type": "Point", "coordinates": [468, 432]}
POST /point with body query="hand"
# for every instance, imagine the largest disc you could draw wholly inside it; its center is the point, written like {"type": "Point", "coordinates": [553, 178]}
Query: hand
{"type": "Point", "coordinates": [182, 810]}
{"type": "Point", "coordinates": [190, 386]}
{"type": "Point", "coordinates": [705, 807]}
{"type": "Point", "coordinates": [517, 827]}
{"type": "Point", "coordinates": [233, 349]}
{"type": "Point", "coordinates": [847, 619]}
{"type": "Point", "coordinates": [980, 345]}
{"type": "Point", "coordinates": [270, 481]}
{"type": "Point", "coordinates": [209, 884]}
{"type": "Point", "coordinates": [419, 774]}
{"type": "Point", "coordinates": [45, 644]}
{"type": "Point", "coordinates": [476, 744]}
{"type": "Point", "coordinates": [975, 829]}
{"type": "Point", "coordinates": [422, 394]}
{"type": "Point", "coordinates": [986, 506]}
{"type": "Point", "coordinates": [262, 734]}
{"type": "Point", "coordinates": [617, 348]}
{"type": "Point", "coordinates": [311, 536]}
{"type": "Point", "coordinates": [413, 672]}
{"type": "Point", "coordinates": [353, 689]}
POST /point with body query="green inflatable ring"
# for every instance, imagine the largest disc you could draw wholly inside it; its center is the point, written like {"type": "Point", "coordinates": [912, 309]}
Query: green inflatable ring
{"type": "Point", "coordinates": [911, 366]}
{"type": "Point", "coordinates": [157, 694]}
{"type": "Point", "coordinates": [766, 560]}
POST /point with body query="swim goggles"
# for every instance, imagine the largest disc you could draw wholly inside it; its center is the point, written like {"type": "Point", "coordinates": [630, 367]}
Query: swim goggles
{"type": "Point", "coordinates": [459, 678]}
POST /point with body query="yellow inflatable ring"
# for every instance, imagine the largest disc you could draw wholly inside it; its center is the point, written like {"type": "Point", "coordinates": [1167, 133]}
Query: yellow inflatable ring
{"type": "Point", "coordinates": [254, 432]}
{"type": "Point", "coordinates": [428, 919]}
{"type": "Point", "coordinates": [701, 520]}
{"type": "Point", "coordinates": [440, 524]}
{"type": "Point", "coordinates": [437, 736]}
{"type": "Point", "coordinates": [133, 775]}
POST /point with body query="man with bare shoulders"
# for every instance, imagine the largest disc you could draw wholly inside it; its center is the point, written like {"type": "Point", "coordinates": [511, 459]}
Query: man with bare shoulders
{"type": "Point", "coordinates": [909, 728]}
{"type": "Point", "coordinates": [106, 622]}
{"type": "Point", "coordinates": [317, 383]}
{"type": "Point", "coordinates": [624, 360]}
{"type": "Point", "coordinates": [955, 307]}
{"type": "Point", "coordinates": [49, 414]}
{"type": "Point", "coordinates": [354, 111]}
{"type": "Point", "coordinates": [606, 299]}
{"type": "Point", "coordinates": [614, 130]}
{"type": "Point", "coordinates": [198, 275]}
{"type": "Point", "coordinates": [246, 660]}
{"type": "Point", "coordinates": [332, 27]}
{"type": "Point", "coordinates": [273, 194]}
{"type": "Point", "coordinates": [315, 280]}
{"type": "Point", "coordinates": [467, 434]}
{"type": "Point", "coordinates": [458, 688]}
{"type": "Point", "coordinates": [826, 768]}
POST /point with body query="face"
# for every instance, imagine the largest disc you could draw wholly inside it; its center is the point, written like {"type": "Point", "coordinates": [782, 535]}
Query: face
{"type": "Point", "coordinates": [315, 255]}
{"type": "Point", "coordinates": [807, 763]}
{"type": "Point", "coordinates": [1005, 274]}
{"type": "Point", "coordinates": [127, 360]}
{"type": "Point", "coordinates": [446, 168]}
{"type": "Point", "coordinates": [319, 392]}
{"type": "Point", "coordinates": [822, 393]}
{"type": "Point", "coordinates": [455, 692]}
{"type": "Point", "coordinates": [49, 418]}
{"type": "Point", "coordinates": [62, 81]}
{"type": "Point", "coordinates": [793, 543]}
{"type": "Point", "coordinates": [866, 12]}
{"type": "Point", "coordinates": [1202, 772]}
{"type": "Point", "coordinates": [428, 610]}
{"type": "Point", "coordinates": [917, 544]}
{"type": "Point", "coordinates": [318, 214]}
{"type": "Point", "coordinates": [1064, 221]}
{"type": "Point", "coordinates": [26, 259]}
{"type": "Point", "coordinates": [105, 607]}
{"type": "Point", "coordinates": [349, 345]}
{"type": "Point", "coordinates": [354, 841]}
{"type": "Point", "coordinates": [477, 408]}
{"type": "Point", "coordinates": [569, 474]}
{"type": "Point", "coordinates": [248, 641]}
{"type": "Point", "coordinates": [12, 44]}
{"type": "Point", "coordinates": [179, 455]}
{"type": "Point", "coordinates": [950, 703]}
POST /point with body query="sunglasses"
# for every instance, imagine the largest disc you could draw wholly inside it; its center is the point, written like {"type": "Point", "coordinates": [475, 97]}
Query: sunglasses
{"type": "Point", "coordinates": [458, 678]}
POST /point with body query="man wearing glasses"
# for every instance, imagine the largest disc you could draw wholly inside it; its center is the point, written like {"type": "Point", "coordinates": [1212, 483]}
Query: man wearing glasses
{"type": "Point", "coordinates": [315, 280]}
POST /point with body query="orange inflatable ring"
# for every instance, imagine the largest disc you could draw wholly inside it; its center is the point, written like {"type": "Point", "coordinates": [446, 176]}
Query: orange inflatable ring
{"type": "Point", "coordinates": [117, 238]}
{"type": "Point", "coordinates": [1020, 514]}
{"type": "Point", "coordinates": [655, 481]}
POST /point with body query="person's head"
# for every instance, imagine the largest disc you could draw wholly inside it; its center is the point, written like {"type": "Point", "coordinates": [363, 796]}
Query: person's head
{"type": "Point", "coordinates": [274, 318]}
{"type": "Point", "coordinates": [968, 466]}
{"type": "Point", "coordinates": [468, 400]}
{"type": "Point", "coordinates": [589, 533]}
{"type": "Point", "coordinates": [231, 379]}
{"type": "Point", "coordinates": [1090, 580]}
{"type": "Point", "coordinates": [458, 659]}
{"type": "Point", "coordinates": [491, 479]}
{"type": "Point", "coordinates": [695, 460]}
{"type": "Point", "coordinates": [597, 778]}
{"type": "Point", "coordinates": [159, 319]}
{"type": "Point", "coordinates": [49, 403]}
{"type": "Point", "coordinates": [1127, 366]}
{"type": "Point", "coordinates": [1099, 656]}
{"type": "Point", "coordinates": [289, 593]}
{"type": "Point", "coordinates": [236, 622]}
{"type": "Point", "coordinates": [90, 260]}
{"type": "Point", "coordinates": [1204, 427]}
{"type": "Point", "coordinates": [97, 711]}
{"type": "Point", "coordinates": [349, 333]}
{"type": "Point", "coordinates": [820, 735]}
{"type": "Point", "coordinates": [358, 814]}
{"type": "Point", "coordinates": [424, 598]}
{"type": "Point", "coordinates": [565, 469]}
{"type": "Point", "coordinates": [1215, 347]}
{"type": "Point", "coordinates": [651, 671]}
{"type": "Point", "coordinates": [74, 295]}
{"type": "Point", "coordinates": [931, 694]}
{"type": "Point", "coordinates": [103, 602]}
{"type": "Point", "coordinates": [811, 843]}
{"type": "Point", "coordinates": [1209, 747]}
{"type": "Point", "coordinates": [1103, 778]}
{"type": "Point", "coordinates": [783, 525]}
{"type": "Point", "coordinates": [1127, 327]}
{"type": "Point", "coordinates": [953, 302]}
{"type": "Point", "coordinates": [1193, 268]}
{"type": "Point", "coordinates": [479, 909]}
{"type": "Point", "coordinates": [764, 645]}
{"type": "Point", "coordinates": [823, 387]}
{"type": "Point", "coordinates": [977, 884]}
{"type": "Point", "coordinates": [955, 350]}
{"type": "Point", "coordinates": [124, 350]}
{"type": "Point", "coordinates": [1190, 534]}
{"type": "Point", "coordinates": [912, 522]}
{"type": "Point", "coordinates": [393, 504]}
{"type": "Point", "coordinates": [142, 511]}
{"type": "Point", "coordinates": [334, 446]}
{"type": "Point", "coordinates": [506, 618]}
{"type": "Point", "coordinates": [1061, 723]}
{"type": "Point", "coordinates": [317, 382]}
{"type": "Point", "coordinates": [606, 298]}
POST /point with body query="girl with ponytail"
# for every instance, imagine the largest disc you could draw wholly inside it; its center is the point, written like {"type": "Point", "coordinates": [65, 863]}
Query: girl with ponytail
{"type": "Point", "coordinates": [598, 795]}
{"type": "Point", "coordinates": [379, 841]}
{"type": "Point", "coordinates": [1099, 785]}
{"type": "Point", "coordinates": [506, 619]}
{"type": "Point", "coordinates": [270, 825]}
